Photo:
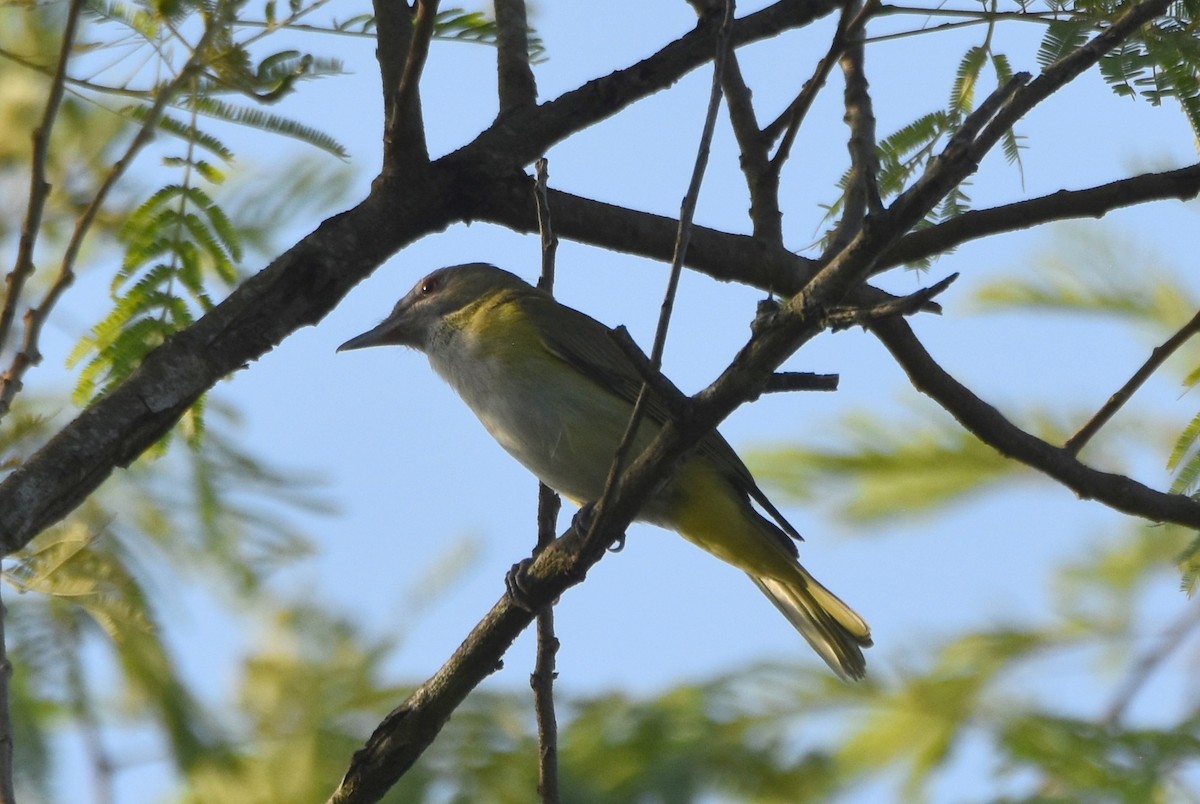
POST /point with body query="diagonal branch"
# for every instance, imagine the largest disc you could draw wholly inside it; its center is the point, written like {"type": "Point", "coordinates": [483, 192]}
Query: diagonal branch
{"type": "Point", "coordinates": [39, 187]}
{"type": "Point", "coordinates": [594, 543]}
{"type": "Point", "coordinates": [991, 427]}
{"type": "Point", "coordinates": [1158, 356]}
{"type": "Point", "coordinates": [527, 134]}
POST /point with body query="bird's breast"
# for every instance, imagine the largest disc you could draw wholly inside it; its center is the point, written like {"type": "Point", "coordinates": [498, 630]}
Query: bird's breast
{"type": "Point", "coordinates": [560, 424]}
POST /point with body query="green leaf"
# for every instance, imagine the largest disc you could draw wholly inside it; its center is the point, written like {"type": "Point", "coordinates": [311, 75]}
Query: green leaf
{"type": "Point", "coordinates": [272, 123]}
{"type": "Point", "coordinates": [966, 79]}
{"type": "Point", "coordinates": [1061, 38]}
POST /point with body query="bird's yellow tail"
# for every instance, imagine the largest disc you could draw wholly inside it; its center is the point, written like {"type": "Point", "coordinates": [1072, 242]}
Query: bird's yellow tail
{"type": "Point", "coordinates": [834, 630]}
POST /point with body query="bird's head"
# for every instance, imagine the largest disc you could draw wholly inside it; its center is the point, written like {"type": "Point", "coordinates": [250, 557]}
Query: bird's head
{"type": "Point", "coordinates": [440, 294]}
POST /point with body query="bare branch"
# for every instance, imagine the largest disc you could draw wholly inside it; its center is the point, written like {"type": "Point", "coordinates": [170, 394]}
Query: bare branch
{"type": "Point", "coordinates": [907, 305]}
{"type": "Point", "coordinates": [1094, 202]}
{"type": "Point", "coordinates": [862, 190]}
{"type": "Point", "coordinates": [39, 187]}
{"type": "Point", "coordinates": [542, 678]}
{"type": "Point", "coordinates": [788, 123]}
{"type": "Point", "coordinates": [991, 427]}
{"type": "Point", "coordinates": [1158, 356]}
{"type": "Point", "coordinates": [7, 739]}
{"type": "Point", "coordinates": [788, 381]}
{"type": "Point", "coordinates": [404, 143]}
{"type": "Point", "coordinates": [545, 226]}
{"type": "Point", "coordinates": [682, 240]}
{"type": "Point", "coordinates": [529, 133]}
{"type": "Point", "coordinates": [1145, 665]}
{"type": "Point", "coordinates": [515, 78]}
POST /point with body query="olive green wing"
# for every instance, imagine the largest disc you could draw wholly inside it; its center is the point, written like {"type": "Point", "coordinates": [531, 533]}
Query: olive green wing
{"type": "Point", "coordinates": [583, 342]}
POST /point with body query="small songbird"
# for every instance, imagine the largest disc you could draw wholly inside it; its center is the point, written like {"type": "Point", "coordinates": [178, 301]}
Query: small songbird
{"type": "Point", "coordinates": [554, 388]}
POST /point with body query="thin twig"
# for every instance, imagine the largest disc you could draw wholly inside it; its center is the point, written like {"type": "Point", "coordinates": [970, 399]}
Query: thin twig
{"type": "Point", "coordinates": [1158, 356]}
{"type": "Point", "coordinates": [904, 305]}
{"type": "Point", "coordinates": [1148, 662]}
{"type": "Point", "coordinates": [545, 225]}
{"type": "Point", "coordinates": [788, 123]}
{"type": "Point", "coordinates": [541, 680]}
{"type": "Point", "coordinates": [682, 238]}
{"type": "Point", "coordinates": [7, 740]}
{"type": "Point", "coordinates": [39, 187]}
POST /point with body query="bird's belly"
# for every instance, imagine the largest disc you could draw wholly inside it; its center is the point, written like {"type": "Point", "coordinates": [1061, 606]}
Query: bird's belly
{"type": "Point", "coordinates": [560, 425]}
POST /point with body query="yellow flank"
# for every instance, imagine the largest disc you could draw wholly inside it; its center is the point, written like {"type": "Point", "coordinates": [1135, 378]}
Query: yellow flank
{"type": "Point", "coordinates": [704, 509]}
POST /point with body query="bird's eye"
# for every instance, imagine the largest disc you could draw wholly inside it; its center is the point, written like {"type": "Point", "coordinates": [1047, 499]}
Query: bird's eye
{"type": "Point", "coordinates": [430, 285]}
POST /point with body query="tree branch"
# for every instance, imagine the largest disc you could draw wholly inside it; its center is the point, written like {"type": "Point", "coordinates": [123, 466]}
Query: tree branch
{"type": "Point", "coordinates": [862, 189]}
{"type": "Point", "coordinates": [991, 427]}
{"type": "Point", "coordinates": [29, 353]}
{"type": "Point", "coordinates": [1094, 202]}
{"type": "Point", "coordinates": [541, 680]}
{"type": "Point", "coordinates": [7, 739]}
{"type": "Point", "coordinates": [529, 133]}
{"type": "Point", "coordinates": [404, 145]}
{"type": "Point", "coordinates": [1158, 356]}
{"type": "Point", "coordinates": [516, 87]}
{"type": "Point", "coordinates": [39, 186]}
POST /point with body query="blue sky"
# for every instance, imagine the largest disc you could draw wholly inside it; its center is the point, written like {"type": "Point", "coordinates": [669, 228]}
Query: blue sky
{"type": "Point", "coordinates": [418, 481]}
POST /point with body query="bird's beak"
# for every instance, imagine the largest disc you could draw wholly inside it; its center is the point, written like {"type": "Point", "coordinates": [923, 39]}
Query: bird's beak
{"type": "Point", "coordinates": [382, 335]}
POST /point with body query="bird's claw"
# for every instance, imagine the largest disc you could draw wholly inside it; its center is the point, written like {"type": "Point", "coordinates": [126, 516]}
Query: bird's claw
{"type": "Point", "coordinates": [516, 587]}
{"type": "Point", "coordinates": [582, 523]}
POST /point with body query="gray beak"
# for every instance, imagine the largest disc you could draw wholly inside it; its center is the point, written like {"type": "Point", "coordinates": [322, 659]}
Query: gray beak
{"type": "Point", "coordinates": [374, 337]}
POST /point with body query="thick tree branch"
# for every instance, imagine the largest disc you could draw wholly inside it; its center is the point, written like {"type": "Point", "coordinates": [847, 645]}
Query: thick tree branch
{"type": "Point", "coordinates": [516, 87]}
{"type": "Point", "coordinates": [529, 133]}
{"type": "Point", "coordinates": [295, 290]}
{"type": "Point", "coordinates": [991, 427]}
{"type": "Point", "coordinates": [404, 146]}
{"type": "Point", "coordinates": [403, 735]}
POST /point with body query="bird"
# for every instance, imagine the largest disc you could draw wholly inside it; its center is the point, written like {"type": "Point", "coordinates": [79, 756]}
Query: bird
{"type": "Point", "coordinates": [553, 387]}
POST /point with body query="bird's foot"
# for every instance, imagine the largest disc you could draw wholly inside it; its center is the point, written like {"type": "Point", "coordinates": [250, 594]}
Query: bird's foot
{"type": "Point", "coordinates": [516, 585]}
{"type": "Point", "coordinates": [582, 523]}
